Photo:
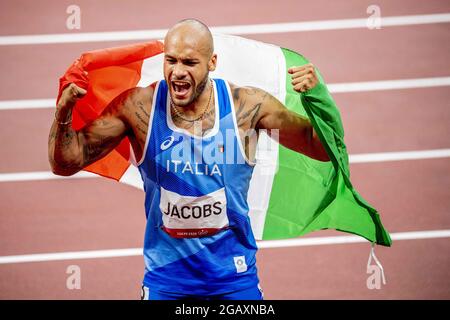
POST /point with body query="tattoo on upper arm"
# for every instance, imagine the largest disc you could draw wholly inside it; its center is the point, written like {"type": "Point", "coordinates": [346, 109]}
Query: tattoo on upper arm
{"type": "Point", "coordinates": [239, 110]}
{"type": "Point", "coordinates": [141, 119]}
{"type": "Point", "coordinates": [242, 115]}
{"type": "Point", "coordinates": [141, 106]}
{"type": "Point", "coordinates": [237, 98]}
{"type": "Point", "coordinates": [256, 108]}
{"type": "Point", "coordinates": [141, 130]}
{"type": "Point", "coordinates": [236, 93]}
{"type": "Point", "coordinates": [100, 138]}
{"type": "Point", "coordinates": [96, 146]}
{"type": "Point", "coordinates": [253, 112]}
{"type": "Point", "coordinates": [250, 91]}
{"type": "Point", "coordinates": [90, 152]}
{"type": "Point", "coordinates": [142, 141]}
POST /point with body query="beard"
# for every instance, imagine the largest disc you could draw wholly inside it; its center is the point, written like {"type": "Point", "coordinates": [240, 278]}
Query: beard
{"type": "Point", "coordinates": [200, 88]}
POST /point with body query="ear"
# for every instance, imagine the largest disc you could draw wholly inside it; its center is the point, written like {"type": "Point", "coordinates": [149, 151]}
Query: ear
{"type": "Point", "coordinates": [212, 62]}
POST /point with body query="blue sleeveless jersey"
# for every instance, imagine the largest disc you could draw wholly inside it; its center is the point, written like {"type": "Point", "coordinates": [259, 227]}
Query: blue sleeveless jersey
{"type": "Point", "coordinates": [198, 237]}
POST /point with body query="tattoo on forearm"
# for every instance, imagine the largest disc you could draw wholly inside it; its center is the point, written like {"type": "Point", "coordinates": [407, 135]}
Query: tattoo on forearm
{"type": "Point", "coordinates": [53, 134]}
{"type": "Point", "coordinates": [67, 138]}
{"type": "Point", "coordinates": [63, 136]}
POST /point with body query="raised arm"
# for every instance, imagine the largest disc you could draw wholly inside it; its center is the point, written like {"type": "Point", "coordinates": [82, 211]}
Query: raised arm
{"type": "Point", "coordinates": [295, 131]}
{"type": "Point", "coordinates": [70, 151]}
{"type": "Point", "coordinates": [265, 112]}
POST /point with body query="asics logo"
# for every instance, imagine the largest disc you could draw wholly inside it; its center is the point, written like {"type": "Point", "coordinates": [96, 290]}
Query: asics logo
{"type": "Point", "coordinates": [167, 143]}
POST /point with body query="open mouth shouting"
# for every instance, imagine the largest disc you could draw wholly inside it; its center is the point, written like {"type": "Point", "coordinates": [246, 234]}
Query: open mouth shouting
{"type": "Point", "coordinates": [180, 89]}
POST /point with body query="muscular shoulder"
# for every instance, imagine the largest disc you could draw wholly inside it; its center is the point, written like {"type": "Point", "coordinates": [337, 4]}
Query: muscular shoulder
{"type": "Point", "coordinates": [136, 96]}
{"type": "Point", "coordinates": [247, 92]}
{"type": "Point", "coordinates": [132, 100]}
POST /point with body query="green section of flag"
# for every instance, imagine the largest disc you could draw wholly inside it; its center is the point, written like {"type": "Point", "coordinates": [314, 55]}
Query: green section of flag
{"type": "Point", "coordinates": [309, 195]}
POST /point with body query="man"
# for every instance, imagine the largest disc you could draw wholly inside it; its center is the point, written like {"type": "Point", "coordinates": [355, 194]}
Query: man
{"type": "Point", "coordinates": [184, 130]}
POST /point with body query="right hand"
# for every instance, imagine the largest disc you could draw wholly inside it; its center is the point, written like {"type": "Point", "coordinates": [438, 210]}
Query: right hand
{"type": "Point", "coordinates": [70, 95]}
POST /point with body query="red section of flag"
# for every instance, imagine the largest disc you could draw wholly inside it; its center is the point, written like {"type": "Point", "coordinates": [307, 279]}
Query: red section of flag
{"type": "Point", "coordinates": [105, 74]}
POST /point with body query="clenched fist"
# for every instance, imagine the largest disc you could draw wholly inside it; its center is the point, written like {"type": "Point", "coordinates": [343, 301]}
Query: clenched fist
{"type": "Point", "coordinates": [70, 95]}
{"type": "Point", "coordinates": [304, 77]}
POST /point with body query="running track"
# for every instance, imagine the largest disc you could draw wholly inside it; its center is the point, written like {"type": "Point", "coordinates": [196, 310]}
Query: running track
{"type": "Point", "coordinates": [38, 216]}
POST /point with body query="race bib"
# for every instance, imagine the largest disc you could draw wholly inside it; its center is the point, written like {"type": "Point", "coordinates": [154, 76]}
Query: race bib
{"type": "Point", "coordinates": [192, 217]}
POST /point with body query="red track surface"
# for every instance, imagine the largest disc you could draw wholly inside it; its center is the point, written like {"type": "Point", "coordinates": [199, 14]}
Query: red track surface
{"type": "Point", "coordinates": [39, 217]}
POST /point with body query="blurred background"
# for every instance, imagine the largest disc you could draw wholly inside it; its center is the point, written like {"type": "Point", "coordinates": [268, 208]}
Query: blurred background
{"type": "Point", "coordinates": [387, 64]}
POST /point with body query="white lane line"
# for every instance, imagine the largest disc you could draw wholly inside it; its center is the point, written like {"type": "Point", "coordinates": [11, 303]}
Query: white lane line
{"type": "Point", "coordinates": [27, 104]}
{"type": "Point", "coordinates": [42, 175]}
{"type": "Point", "coordinates": [234, 29]}
{"type": "Point", "coordinates": [355, 158]}
{"type": "Point", "coordinates": [333, 87]}
{"type": "Point", "coordinates": [94, 254]}
{"type": "Point", "coordinates": [298, 242]}
{"type": "Point", "coordinates": [389, 84]}
{"type": "Point", "coordinates": [399, 156]}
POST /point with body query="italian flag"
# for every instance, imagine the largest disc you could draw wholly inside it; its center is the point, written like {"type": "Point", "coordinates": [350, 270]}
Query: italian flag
{"type": "Point", "coordinates": [290, 194]}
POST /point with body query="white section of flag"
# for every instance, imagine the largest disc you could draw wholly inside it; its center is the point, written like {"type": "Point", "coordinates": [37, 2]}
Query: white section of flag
{"type": "Point", "coordinates": [240, 65]}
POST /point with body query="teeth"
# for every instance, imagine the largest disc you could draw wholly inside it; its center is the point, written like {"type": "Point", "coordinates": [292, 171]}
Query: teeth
{"type": "Point", "coordinates": [178, 86]}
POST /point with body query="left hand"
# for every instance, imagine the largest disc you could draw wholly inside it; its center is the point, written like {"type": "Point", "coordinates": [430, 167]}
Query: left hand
{"type": "Point", "coordinates": [304, 77]}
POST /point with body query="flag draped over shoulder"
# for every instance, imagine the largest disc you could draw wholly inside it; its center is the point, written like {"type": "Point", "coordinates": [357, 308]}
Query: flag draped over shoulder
{"type": "Point", "coordinates": [290, 194]}
{"type": "Point", "coordinates": [105, 74]}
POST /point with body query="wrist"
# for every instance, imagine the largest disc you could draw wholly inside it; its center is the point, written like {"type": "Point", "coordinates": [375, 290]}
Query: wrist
{"type": "Point", "coordinates": [63, 116]}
